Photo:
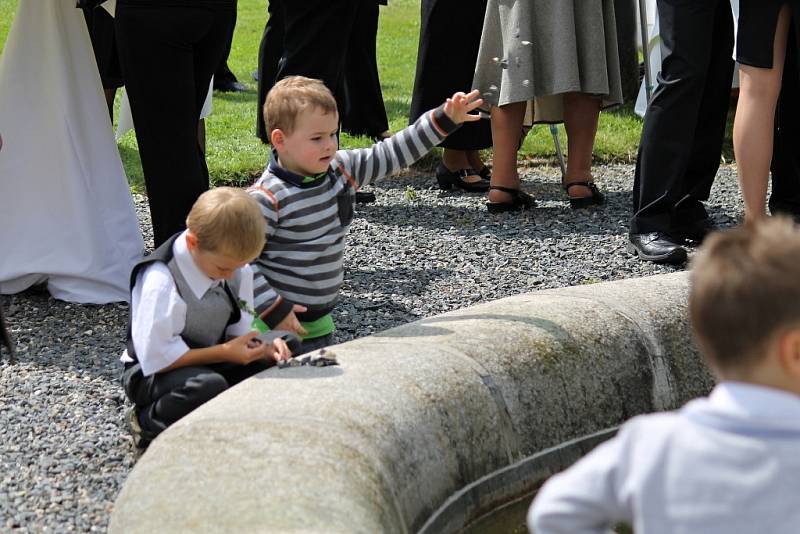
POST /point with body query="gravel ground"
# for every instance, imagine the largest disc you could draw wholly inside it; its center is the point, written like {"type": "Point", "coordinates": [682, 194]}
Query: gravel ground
{"type": "Point", "coordinates": [416, 252]}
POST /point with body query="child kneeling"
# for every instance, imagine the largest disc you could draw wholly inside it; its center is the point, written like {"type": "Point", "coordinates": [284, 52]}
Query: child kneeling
{"type": "Point", "coordinates": [727, 463]}
{"type": "Point", "coordinates": [189, 336]}
{"type": "Point", "coordinates": [307, 194]}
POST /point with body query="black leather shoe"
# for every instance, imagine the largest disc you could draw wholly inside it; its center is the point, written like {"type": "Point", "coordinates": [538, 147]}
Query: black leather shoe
{"type": "Point", "coordinates": [694, 235]}
{"type": "Point", "coordinates": [230, 87]}
{"type": "Point", "coordinates": [656, 247]}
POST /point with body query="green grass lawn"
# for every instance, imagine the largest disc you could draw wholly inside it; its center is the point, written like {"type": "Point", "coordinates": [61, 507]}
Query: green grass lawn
{"type": "Point", "coordinates": [235, 155]}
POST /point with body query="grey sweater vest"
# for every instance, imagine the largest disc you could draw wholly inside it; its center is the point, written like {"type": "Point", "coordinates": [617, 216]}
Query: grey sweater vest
{"type": "Point", "coordinates": [208, 317]}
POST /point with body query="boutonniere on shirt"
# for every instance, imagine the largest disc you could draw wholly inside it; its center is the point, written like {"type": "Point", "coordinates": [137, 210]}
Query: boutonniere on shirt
{"type": "Point", "coordinates": [257, 323]}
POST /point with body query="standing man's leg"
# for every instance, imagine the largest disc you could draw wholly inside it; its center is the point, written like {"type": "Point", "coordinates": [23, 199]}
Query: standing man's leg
{"type": "Point", "coordinates": [691, 219]}
{"type": "Point", "coordinates": [315, 41]}
{"type": "Point", "coordinates": [269, 57]}
{"type": "Point", "coordinates": [157, 50]}
{"type": "Point", "coordinates": [224, 79]}
{"type": "Point", "coordinates": [671, 152]}
{"type": "Point", "coordinates": [785, 167]}
{"type": "Point", "coordinates": [364, 112]}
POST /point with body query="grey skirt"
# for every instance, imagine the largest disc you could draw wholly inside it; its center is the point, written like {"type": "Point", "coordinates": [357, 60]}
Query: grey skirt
{"type": "Point", "coordinates": [536, 50]}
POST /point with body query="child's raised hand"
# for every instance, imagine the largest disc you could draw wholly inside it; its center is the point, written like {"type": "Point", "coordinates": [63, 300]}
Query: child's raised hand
{"type": "Point", "coordinates": [458, 107]}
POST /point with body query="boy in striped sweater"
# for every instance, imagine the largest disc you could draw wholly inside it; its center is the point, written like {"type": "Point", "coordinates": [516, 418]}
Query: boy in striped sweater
{"type": "Point", "coordinates": [307, 195]}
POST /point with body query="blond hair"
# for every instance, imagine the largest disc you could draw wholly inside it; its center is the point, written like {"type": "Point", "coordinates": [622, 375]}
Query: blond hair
{"type": "Point", "coordinates": [293, 95]}
{"type": "Point", "coordinates": [745, 290]}
{"type": "Point", "coordinates": [228, 221]}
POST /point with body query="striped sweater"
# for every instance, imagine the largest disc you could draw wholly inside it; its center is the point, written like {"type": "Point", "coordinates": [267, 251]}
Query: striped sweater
{"type": "Point", "coordinates": [307, 220]}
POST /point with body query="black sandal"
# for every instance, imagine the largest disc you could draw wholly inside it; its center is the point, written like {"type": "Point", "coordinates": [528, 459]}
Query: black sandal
{"type": "Point", "coordinates": [447, 179]}
{"type": "Point", "coordinates": [520, 200]}
{"type": "Point", "coordinates": [594, 199]}
{"type": "Point", "coordinates": [485, 173]}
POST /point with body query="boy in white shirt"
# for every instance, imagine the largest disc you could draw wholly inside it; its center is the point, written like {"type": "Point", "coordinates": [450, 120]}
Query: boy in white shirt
{"type": "Point", "coordinates": [190, 335]}
{"type": "Point", "coordinates": [728, 463]}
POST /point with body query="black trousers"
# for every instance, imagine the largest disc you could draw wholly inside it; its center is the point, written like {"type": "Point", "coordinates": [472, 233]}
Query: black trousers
{"type": "Point", "coordinates": [681, 143]}
{"type": "Point", "coordinates": [101, 31]}
{"type": "Point", "coordinates": [168, 55]}
{"type": "Point", "coordinates": [223, 75]}
{"type": "Point", "coordinates": [269, 58]}
{"type": "Point", "coordinates": [785, 197]}
{"type": "Point", "coordinates": [333, 41]}
{"type": "Point", "coordinates": [364, 112]}
{"type": "Point", "coordinates": [446, 64]}
{"type": "Point", "coordinates": [163, 398]}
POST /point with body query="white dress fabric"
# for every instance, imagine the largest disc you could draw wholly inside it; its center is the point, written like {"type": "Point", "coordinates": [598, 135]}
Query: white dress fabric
{"type": "Point", "coordinates": [66, 214]}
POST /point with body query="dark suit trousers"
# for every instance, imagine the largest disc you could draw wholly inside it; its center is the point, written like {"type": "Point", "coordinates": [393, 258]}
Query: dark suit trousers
{"type": "Point", "coordinates": [315, 41]}
{"type": "Point", "coordinates": [223, 75]}
{"type": "Point", "coordinates": [331, 41]}
{"type": "Point", "coordinates": [681, 143]}
{"type": "Point", "coordinates": [446, 64]}
{"type": "Point", "coordinates": [364, 112]}
{"type": "Point", "coordinates": [269, 58]}
{"type": "Point", "coordinates": [163, 398]}
{"type": "Point", "coordinates": [168, 55]}
{"type": "Point", "coordinates": [785, 196]}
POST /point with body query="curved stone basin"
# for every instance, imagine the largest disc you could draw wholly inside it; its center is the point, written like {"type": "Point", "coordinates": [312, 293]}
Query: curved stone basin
{"type": "Point", "coordinates": [415, 414]}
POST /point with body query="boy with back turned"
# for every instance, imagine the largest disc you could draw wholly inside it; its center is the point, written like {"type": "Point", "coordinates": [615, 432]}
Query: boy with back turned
{"type": "Point", "coordinates": [728, 463]}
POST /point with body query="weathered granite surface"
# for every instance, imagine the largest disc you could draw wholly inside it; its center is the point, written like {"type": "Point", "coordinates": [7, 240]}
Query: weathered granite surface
{"type": "Point", "coordinates": [416, 413]}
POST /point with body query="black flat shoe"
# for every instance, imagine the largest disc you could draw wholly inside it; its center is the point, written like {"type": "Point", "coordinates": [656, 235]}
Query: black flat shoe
{"type": "Point", "coordinates": [594, 199]}
{"type": "Point", "coordinates": [485, 173]}
{"type": "Point", "coordinates": [230, 87]}
{"type": "Point", "coordinates": [447, 179]}
{"type": "Point", "coordinates": [520, 200]}
{"type": "Point", "coordinates": [656, 247]}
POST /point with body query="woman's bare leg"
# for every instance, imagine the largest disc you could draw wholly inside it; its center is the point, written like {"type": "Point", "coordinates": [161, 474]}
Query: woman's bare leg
{"type": "Point", "coordinates": [475, 160]}
{"type": "Point", "coordinates": [581, 114]}
{"type": "Point", "coordinates": [755, 116]}
{"type": "Point", "coordinates": [506, 130]}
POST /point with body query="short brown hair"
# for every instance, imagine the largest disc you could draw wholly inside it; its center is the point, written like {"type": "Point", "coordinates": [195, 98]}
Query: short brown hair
{"type": "Point", "coordinates": [228, 221]}
{"type": "Point", "coordinates": [293, 95]}
{"type": "Point", "coordinates": [745, 289]}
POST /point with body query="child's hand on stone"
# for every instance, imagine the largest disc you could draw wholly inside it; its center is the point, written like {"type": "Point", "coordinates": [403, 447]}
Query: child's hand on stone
{"type": "Point", "coordinates": [458, 107]}
{"type": "Point", "coordinates": [246, 349]}
{"type": "Point", "coordinates": [279, 350]}
{"type": "Point", "coordinates": [291, 323]}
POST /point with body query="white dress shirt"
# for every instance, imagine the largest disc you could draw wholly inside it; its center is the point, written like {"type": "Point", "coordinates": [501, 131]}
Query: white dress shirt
{"type": "Point", "coordinates": [727, 464]}
{"type": "Point", "coordinates": [158, 313]}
